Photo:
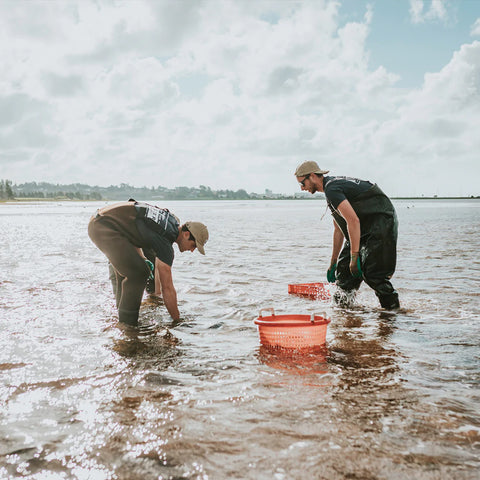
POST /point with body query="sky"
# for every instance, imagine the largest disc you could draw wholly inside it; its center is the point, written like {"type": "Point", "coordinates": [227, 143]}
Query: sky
{"type": "Point", "coordinates": [235, 94]}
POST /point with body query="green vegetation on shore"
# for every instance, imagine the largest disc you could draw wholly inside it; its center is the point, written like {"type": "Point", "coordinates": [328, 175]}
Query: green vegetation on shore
{"type": "Point", "coordinates": [34, 191]}
{"type": "Point", "coordinates": [6, 192]}
{"type": "Point", "coordinates": [78, 191]}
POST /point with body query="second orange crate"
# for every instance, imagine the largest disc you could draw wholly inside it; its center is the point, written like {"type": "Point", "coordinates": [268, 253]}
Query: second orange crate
{"type": "Point", "coordinates": [315, 291]}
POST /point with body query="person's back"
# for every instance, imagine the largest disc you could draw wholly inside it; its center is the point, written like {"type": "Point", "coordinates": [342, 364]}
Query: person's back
{"type": "Point", "coordinates": [122, 231]}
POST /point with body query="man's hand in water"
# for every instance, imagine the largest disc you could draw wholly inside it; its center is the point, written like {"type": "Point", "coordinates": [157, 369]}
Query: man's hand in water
{"type": "Point", "coordinates": [355, 267]}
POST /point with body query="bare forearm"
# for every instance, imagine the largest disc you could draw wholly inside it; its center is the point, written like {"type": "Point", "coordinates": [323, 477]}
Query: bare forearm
{"type": "Point", "coordinates": [353, 224]}
{"type": "Point", "coordinates": [170, 301]}
{"type": "Point", "coordinates": [167, 288]}
{"type": "Point", "coordinates": [354, 234]}
{"type": "Point", "coordinates": [158, 285]}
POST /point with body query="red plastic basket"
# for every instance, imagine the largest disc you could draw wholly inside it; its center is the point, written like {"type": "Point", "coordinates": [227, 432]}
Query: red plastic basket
{"type": "Point", "coordinates": [315, 291]}
{"type": "Point", "coordinates": [292, 331]}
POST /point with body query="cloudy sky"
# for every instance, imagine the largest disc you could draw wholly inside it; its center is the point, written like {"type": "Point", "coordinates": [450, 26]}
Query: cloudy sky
{"type": "Point", "coordinates": [235, 94]}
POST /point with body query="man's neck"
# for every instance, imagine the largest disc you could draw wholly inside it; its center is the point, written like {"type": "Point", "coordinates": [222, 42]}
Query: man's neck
{"type": "Point", "coordinates": [320, 182]}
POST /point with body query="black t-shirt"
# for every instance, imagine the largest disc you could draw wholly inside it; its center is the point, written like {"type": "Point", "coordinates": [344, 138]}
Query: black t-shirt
{"type": "Point", "coordinates": [338, 189]}
{"type": "Point", "coordinates": [159, 228]}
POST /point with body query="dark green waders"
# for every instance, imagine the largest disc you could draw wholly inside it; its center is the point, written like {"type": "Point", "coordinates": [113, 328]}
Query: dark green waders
{"type": "Point", "coordinates": [131, 271]}
{"type": "Point", "coordinates": [378, 249]}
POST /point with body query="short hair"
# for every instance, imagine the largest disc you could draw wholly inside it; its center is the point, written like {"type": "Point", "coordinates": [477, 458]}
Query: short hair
{"type": "Point", "coordinates": [184, 228]}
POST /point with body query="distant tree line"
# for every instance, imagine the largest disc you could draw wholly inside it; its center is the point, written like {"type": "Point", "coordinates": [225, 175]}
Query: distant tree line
{"type": "Point", "coordinates": [124, 191]}
{"type": "Point", "coordinates": [6, 192]}
{"type": "Point", "coordinates": [47, 190]}
{"type": "Point", "coordinates": [60, 194]}
{"type": "Point", "coordinates": [78, 191]}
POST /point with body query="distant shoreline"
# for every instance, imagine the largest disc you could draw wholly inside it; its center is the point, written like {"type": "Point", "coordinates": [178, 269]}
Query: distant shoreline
{"type": "Point", "coordinates": [65, 199]}
{"type": "Point", "coordinates": [44, 191]}
{"type": "Point", "coordinates": [436, 198]}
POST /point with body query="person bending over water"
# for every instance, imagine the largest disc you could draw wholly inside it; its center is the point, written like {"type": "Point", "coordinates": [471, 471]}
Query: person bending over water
{"type": "Point", "coordinates": [366, 227]}
{"type": "Point", "coordinates": [122, 229]}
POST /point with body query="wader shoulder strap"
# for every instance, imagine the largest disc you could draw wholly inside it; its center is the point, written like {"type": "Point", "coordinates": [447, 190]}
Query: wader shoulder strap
{"type": "Point", "coordinates": [339, 220]}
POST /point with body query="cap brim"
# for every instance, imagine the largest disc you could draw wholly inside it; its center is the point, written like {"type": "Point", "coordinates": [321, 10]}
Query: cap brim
{"type": "Point", "coordinates": [309, 172]}
{"type": "Point", "coordinates": [200, 248]}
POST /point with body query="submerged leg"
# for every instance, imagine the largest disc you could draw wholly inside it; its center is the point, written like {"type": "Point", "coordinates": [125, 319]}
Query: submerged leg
{"type": "Point", "coordinates": [347, 285]}
{"type": "Point", "coordinates": [130, 268]}
{"type": "Point", "coordinates": [379, 257]}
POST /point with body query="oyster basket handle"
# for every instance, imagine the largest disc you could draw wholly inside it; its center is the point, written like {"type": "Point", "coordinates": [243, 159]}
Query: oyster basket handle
{"type": "Point", "coordinates": [320, 314]}
{"type": "Point", "coordinates": [271, 310]}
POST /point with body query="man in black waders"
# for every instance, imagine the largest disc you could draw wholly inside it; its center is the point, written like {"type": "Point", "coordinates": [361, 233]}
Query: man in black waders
{"type": "Point", "coordinates": [365, 225]}
{"type": "Point", "coordinates": [122, 230]}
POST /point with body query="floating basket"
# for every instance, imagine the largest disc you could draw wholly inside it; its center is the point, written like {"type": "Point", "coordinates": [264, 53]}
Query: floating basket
{"type": "Point", "coordinates": [292, 331]}
{"type": "Point", "coordinates": [315, 291]}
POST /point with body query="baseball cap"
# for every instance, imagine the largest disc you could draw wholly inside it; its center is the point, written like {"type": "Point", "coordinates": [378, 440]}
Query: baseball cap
{"type": "Point", "coordinates": [309, 167]}
{"type": "Point", "coordinates": [200, 233]}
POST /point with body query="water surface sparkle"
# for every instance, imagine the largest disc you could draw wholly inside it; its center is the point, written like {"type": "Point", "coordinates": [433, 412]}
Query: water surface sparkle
{"type": "Point", "coordinates": [392, 395]}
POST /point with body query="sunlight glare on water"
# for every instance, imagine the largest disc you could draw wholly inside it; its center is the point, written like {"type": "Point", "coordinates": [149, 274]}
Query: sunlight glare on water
{"type": "Point", "coordinates": [391, 395]}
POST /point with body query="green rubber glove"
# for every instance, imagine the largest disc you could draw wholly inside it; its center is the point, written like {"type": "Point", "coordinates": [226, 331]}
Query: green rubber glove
{"type": "Point", "coordinates": [151, 267]}
{"type": "Point", "coordinates": [331, 272]}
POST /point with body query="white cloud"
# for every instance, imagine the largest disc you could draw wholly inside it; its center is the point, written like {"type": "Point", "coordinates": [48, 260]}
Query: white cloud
{"type": "Point", "coordinates": [433, 132]}
{"type": "Point", "coordinates": [476, 28]}
{"type": "Point", "coordinates": [225, 94]}
{"type": "Point", "coordinates": [416, 11]}
{"type": "Point", "coordinates": [420, 12]}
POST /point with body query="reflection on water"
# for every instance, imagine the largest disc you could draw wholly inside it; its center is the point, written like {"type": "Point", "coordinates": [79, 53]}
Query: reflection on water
{"type": "Point", "coordinates": [305, 362]}
{"type": "Point", "coordinates": [390, 395]}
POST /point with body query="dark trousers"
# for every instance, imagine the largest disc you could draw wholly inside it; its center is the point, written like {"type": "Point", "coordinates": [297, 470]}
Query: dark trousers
{"type": "Point", "coordinates": [131, 271]}
{"type": "Point", "coordinates": [378, 258]}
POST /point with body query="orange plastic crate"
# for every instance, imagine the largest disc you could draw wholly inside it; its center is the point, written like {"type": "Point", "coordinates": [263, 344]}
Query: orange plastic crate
{"type": "Point", "coordinates": [315, 291]}
{"type": "Point", "coordinates": [292, 331]}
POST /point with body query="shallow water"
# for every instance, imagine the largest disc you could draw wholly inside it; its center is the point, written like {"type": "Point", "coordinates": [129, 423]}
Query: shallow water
{"type": "Point", "coordinates": [392, 395]}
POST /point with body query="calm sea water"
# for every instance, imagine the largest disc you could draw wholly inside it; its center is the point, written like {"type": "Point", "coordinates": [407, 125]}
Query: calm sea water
{"type": "Point", "coordinates": [392, 396]}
